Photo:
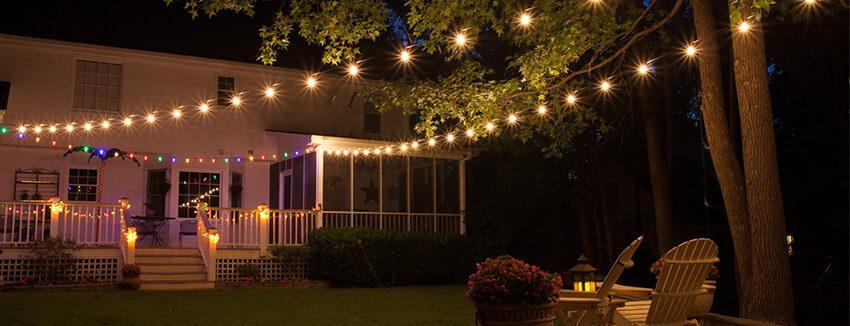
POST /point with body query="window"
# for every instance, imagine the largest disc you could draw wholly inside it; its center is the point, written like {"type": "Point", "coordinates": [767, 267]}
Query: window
{"type": "Point", "coordinates": [97, 86]}
{"type": "Point", "coordinates": [195, 187]}
{"type": "Point", "coordinates": [372, 119]}
{"type": "Point", "coordinates": [226, 86]}
{"type": "Point", "coordinates": [82, 185]}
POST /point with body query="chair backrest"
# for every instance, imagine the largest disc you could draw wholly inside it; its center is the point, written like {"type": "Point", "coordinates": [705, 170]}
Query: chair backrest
{"type": "Point", "coordinates": [188, 226]}
{"type": "Point", "coordinates": [623, 261]}
{"type": "Point", "coordinates": [682, 275]}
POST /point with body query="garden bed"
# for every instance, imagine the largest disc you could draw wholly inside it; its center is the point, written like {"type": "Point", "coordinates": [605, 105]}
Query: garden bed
{"type": "Point", "coordinates": [274, 285]}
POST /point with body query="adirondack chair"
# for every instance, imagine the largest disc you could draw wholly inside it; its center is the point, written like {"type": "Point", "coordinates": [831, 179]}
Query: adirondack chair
{"type": "Point", "coordinates": [680, 281]}
{"type": "Point", "coordinates": [587, 304]}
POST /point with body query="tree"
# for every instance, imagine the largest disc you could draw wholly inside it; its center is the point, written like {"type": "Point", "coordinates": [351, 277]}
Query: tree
{"type": "Point", "coordinates": [771, 266]}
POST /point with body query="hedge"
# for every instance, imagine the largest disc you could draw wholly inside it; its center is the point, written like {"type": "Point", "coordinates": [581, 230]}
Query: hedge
{"type": "Point", "coordinates": [397, 257]}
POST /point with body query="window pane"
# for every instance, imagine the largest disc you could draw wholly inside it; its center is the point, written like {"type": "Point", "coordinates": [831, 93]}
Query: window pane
{"type": "Point", "coordinates": [421, 185]}
{"type": "Point", "coordinates": [366, 184]}
{"type": "Point", "coordinates": [193, 185]}
{"type": "Point", "coordinates": [394, 174]}
{"type": "Point", "coordinates": [448, 200]}
{"type": "Point", "coordinates": [337, 183]}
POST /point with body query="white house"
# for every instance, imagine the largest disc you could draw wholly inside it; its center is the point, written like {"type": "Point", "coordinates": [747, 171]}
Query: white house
{"type": "Point", "coordinates": [233, 135]}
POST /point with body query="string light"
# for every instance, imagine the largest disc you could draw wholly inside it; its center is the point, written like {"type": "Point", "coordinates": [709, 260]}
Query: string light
{"type": "Point", "coordinates": [643, 69]}
{"type": "Point", "coordinates": [512, 118]}
{"type": "Point", "coordinates": [37, 129]}
{"type": "Point", "coordinates": [744, 26]}
{"type": "Point", "coordinates": [571, 99]}
{"type": "Point", "coordinates": [176, 113]}
{"type": "Point", "coordinates": [105, 124]}
{"type": "Point", "coordinates": [128, 121]}
{"type": "Point", "coordinates": [690, 50]}
{"type": "Point", "coordinates": [490, 126]}
{"type": "Point", "coordinates": [470, 132]}
{"type": "Point", "coordinates": [69, 128]}
{"type": "Point", "coordinates": [605, 86]}
{"type": "Point", "coordinates": [403, 148]}
{"type": "Point", "coordinates": [22, 129]}
{"type": "Point", "coordinates": [151, 118]}
{"type": "Point", "coordinates": [541, 109]}
{"type": "Point", "coordinates": [270, 92]}
{"type": "Point", "coordinates": [311, 82]}
{"type": "Point", "coordinates": [460, 39]}
{"type": "Point", "coordinates": [353, 70]}
{"type": "Point", "coordinates": [235, 100]}
{"type": "Point", "coordinates": [52, 129]}
{"type": "Point", "coordinates": [450, 138]}
{"type": "Point", "coordinates": [204, 107]}
{"type": "Point", "coordinates": [414, 144]}
{"type": "Point", "coordinates": [432, 142]}
{"type": "Point", "coordinates": [87, 126]}
{"type": "Point", "coordinates": [405, 56]}
{"type": "Point", "coordinates": [525, 19]}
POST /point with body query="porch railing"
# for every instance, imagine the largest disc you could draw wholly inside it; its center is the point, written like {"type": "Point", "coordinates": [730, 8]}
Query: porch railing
{"type": "Point", "coordinates": [262, 227]}
{"type": "Point", "coordinates": [422, 222]}
{"type": "Point", "coordinates": [208, 239]}
{"type": "Point", "coordinates": [87, 224]}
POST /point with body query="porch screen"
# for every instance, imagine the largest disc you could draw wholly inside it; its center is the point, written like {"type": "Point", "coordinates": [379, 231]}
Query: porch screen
{"type": "Point", "coordinates": [197, 186]}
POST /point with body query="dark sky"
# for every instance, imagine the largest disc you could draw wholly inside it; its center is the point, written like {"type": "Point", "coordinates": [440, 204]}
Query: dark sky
{"type": "Point", "coordinates": [150, 25]}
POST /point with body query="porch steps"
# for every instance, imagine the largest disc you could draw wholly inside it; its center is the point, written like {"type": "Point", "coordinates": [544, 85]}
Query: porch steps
{"type": "Point", "coordinates": [172, 269]}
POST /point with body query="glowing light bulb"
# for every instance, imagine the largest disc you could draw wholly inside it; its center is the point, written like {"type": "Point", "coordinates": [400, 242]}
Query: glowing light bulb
{"type": "Point", "coordinates": [105, 124]}
{"type": "Point", "coordinates": [389, 149]}
{"type": "Point", "coordinates": [450, 138]}
{"type": "Point", "coordinates": [460, 39]}
{"type": "Point", "coordinates": [69, 128]}
{"type": "Point", "coordinates": [512, 118]}
{"type": "Point", "coordinates": [176, 113]}
{"type": "Point", "coordinates": [405, 56]}
{"type": "Point", "coordinates": [744, 27]}
{"type": "Point", "coordinates": [643, 69]}
{"type": "Point", "coordinates": [270, 92]}
{"type": "Point", "coordinates": [377, 151]}
{"type": "Point", "coordinates": [525, 19]}
{"type": "Point", "coordinates": [571, 99]}
{"type": "Point", "coordinates": [311, 82]}
{"type": "Point", "coordinates": [414, 144]}
{"type": "Point", "coordinates": [810, 1]}
{"type": "Point", "coordinates": [52, 128]}
{"type": "Point", "coordinates": [128, 121]}
{"type": "Point", "coordinates": [87, 126]}
{"type": "Point", "coordinates": [37, 129]}
{"type": "Point", "coordinates": [470, 132]}
{"type": "Point", "coordinates": [345, 152]}
{"type": "Point", "coordinates": [353, 70]}
{"type": "Point", "coordinates": [541, 109]}
{"type": "Point", "coordinates": [490, 126]}
{"type": "Point", "coordinates": [605, 86]}
{"type": "Point", "coordinates": [204, 107]}
{"type": "Point", "coordinates": [235, 100]}
{"type": "Point", "coordinates": [690, 50]}
{"type": "Point", "coordinates": [431, 142]}
{"type": "Point", "coordinates": [22, 129]}
{"type": "Point", "coordinates": [403, 147]}
{"type": "Point", "coordinates": [151, 118]}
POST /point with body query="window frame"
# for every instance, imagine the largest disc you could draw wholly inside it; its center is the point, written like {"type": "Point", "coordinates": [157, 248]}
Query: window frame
{"type": "Point", "coordinates": [69, 184]}
{"type": "Point", "coordinates": [219, 90]}
{"type": "Point", "coordinates": [120, 87]}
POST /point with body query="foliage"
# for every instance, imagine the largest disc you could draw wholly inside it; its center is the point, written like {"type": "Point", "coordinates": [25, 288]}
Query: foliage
{"type": "Point", "coordinates": [131, 270]}
{"type": "Point", "coordinates": [89, 278]}
{"type": "Point", "coordinates": [502, 68]}
{"type": "Point", "coordinates": [507, 280]}
{"type": "Point", "coordinates": [347, 256]}
{"type": "Point", "coordinates": [248, 270]}
{"type": "Point", "coordinates": [757, 9]}
{"type": "Point", "coordinates": [52, 258]}
{"type": "Point", "coordinates": [290, 257]}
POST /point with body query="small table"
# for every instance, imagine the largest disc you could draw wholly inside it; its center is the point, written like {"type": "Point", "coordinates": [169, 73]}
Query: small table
{"type": "Point", "coordinates": [151, 225]}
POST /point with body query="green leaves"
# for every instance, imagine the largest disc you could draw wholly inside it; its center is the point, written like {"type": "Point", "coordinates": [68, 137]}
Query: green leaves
{"type": "Point", "coordinates": [756, 9]}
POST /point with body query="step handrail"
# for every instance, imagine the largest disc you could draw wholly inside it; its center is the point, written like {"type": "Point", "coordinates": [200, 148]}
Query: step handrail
{"type": "Point", "coordinates": [207, 237]}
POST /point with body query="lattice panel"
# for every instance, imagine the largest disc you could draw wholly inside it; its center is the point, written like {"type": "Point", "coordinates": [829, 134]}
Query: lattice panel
{"type": "Point", "coordinates": [270, 269]}
{"type": "Point", "coordinates": [106, 269]}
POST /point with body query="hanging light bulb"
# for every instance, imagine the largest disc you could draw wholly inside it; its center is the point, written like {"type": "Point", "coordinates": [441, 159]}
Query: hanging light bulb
{"type": "Point", "coordinates": [690, 50]}
{"type": "Point", "coordinates": [204, 107]}
{"type": "Point", "coordinates": [235, 100]}
{"type": "Point", "coordinates": [414, 144]}
{"type": "Point", "coordinates": [450, 138]}
{"type": "Point", "coordinates": [571, 99]}
{"type": "Point", "coordinates": [490, 126]}
{"type": "Point", "coordinates": [643, 69]}
{"type": "Point", "coordinates": [541, 109]}
{"type": "Point", "coordinates": [470, 132]}
{"type": "Point", "coordinates": [389, 149]}
{"type": "Point", "coordinates": [311, 82]}
{"type": "Point", "coordinates": [176, 113]}
{"type": "Point", "coordinates": [270, 92]}
{"type": "Point", "coordinates": [353, 70]}
{"type": "Point", "coordinates": [128, 121]}
{"type": "Point", "coordinates": [605, 86]}
{"type": "Point", "coordinates": [432, 142]}
{"type": "Point", "coordinates": [525, 19]}
{"type": "Point", "coordinates": [460, 39]}
{"type": "Point", "coordinates": [52, 129]}
{"type": "Point", "coordinates": [87, 126]}
{"type": "Point", "coordinates": [744, 26]}
{"type": "Point", "coordinates": [37, 129]}
{"type": "Point", "coordinates": [69, 128]}
{"type": "Point", "coordinates": [512, 118]}
{"type": "Point", "coordinates": [403, 147]}
{"type": "Point", "coordinates": [405, 56]}
{"type": "Point", "coordinates": [151, 118]}
{"type": "Point", "coordinates": [22, 129]}
{"type": "Point", "coordinates": [104, 124]}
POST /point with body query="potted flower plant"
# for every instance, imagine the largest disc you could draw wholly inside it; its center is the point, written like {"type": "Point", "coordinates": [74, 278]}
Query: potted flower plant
{"type": "Point", "coordinates": [131, 280]}
{"type": "Point", "coordinates": [506, 291]}
{"type": "Point", "coordinates": [703, 301]}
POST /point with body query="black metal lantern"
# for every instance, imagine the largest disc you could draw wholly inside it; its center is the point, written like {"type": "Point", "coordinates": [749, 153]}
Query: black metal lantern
{"type": "Point", "coordinates": [584, 275]}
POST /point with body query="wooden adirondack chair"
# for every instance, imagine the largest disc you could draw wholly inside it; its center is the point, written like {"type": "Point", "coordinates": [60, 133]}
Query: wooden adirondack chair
{"type": "Point", "coordinates": [587, 304]}
{"type": "Point", "coordinates": [684, 271]}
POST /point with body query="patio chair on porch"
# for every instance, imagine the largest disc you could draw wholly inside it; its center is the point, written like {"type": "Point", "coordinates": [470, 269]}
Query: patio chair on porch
{"type": "Point", "coordinates": [187, 228]}
{"type": "Point", "coordinates": [146, 229]}
{"type": "Point", "coordinates": [680, 281]}
{"type": "Point", "coordinates": [586, 304]}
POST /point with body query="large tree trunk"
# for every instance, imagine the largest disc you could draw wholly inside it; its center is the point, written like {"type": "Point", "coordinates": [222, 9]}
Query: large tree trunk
{"type": "Point", "coordinates": [771, 279]}
{"type": "Point", "coordinates": [721, 147]}
{"type": "Point", "coordinates": [660, 174]}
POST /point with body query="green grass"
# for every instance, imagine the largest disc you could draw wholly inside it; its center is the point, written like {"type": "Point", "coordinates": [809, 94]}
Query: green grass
{"type": "Point", "coordinates": [423, 305]}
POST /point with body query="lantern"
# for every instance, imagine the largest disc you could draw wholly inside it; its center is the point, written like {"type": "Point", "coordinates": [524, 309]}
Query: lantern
{"type": "Point", "coordinates": [264, 211]}
{"type": "Point", "coordinates": [584, 275]}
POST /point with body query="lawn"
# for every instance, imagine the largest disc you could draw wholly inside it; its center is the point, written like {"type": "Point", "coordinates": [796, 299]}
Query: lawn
{"type": "Point", "coordinates": [425, 305]}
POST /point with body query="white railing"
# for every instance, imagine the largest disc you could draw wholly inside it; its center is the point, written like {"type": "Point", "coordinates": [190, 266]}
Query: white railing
{"type": "Point", "coordinates": [207, 240]}
{"type": "Point", "coordinates": [87, 224]}
{"type": "Point", "coordinates": [262, 227]}
{"type": "Point", "coordinates": [422, 222]}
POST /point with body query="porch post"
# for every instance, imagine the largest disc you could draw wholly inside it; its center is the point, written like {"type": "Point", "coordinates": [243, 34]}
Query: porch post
{"type": "Point", "coordinates": [263, 214]}
{"type": "Point", "coordinates": [56, 208]}
{"type": "Point", "coordinates": [213, 239]}
{"type": "Point", "coordinates": [380, 193]}
{"type": "Point", "coordinates": [320, 185]}
{"type": "Point", "coordinates": [131, 245]}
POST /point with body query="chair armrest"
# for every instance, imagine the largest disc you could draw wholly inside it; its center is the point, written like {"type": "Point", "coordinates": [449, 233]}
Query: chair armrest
{"type": "Point", "coordinates": [632, 291]}
{"type": "Point", "coordinates": [571, 304]}
{"type": "Point", "coordinates": [577, 294]}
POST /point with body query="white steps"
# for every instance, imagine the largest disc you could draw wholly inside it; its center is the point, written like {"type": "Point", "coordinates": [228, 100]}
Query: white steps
{"type": "Point", "coordinates": [172, 269]}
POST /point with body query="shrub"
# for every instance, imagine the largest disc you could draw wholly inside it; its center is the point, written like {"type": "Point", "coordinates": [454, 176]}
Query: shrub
{"type": "Point", "coordinates": [397, 257]}
{"type": "Point", "coordinates": [52, 258]}
{"type": "Point", "coordinates": [248, 271]}
{"type": "Point", "coordinates": [290, 257]}
{"type": "Point", "coordinates": [131, 270]}
{"type": "Point", "coordinates": [507, 280]}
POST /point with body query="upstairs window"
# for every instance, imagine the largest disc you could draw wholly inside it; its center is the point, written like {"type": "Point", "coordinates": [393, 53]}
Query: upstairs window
{"type": "Point", "coordinates": [82, 185]}
{"type": "Point", "coordinates": [97, 86]}
{"type": "Point", "coordinates": [226, 86]}
{"type": "Point", "coordinates": [372, 119]}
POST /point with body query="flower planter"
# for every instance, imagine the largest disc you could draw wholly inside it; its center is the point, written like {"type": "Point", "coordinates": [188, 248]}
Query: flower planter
{"type": "Point", "coordinates": [130, 283]}
{"type": "Point", "coordinates": [702, 302]}
{"type": "Point", "coordinates": [516, 315]}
